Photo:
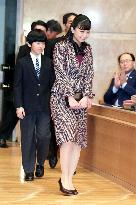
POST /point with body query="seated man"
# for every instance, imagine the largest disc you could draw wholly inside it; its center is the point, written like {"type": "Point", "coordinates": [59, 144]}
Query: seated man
{"type": "Point", "coordinates": [123, 85]}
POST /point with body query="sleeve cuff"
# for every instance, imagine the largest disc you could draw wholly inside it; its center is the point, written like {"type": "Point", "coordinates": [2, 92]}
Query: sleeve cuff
{"type": "Point", "coordinates": [114, 89]}
{"type": "Point", "coordinates": [123, 85]}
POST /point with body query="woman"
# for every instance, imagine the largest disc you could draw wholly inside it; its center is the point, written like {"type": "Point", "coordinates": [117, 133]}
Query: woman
{"type": "Point", "coordinates": [74, 74]}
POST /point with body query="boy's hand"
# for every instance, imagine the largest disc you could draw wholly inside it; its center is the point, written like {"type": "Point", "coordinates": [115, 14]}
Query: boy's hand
{"type": "Point", "coordinates": [20, 112]}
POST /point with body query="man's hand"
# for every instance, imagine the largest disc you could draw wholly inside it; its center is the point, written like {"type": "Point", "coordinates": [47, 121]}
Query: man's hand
{"type": "Point", "coordinates": [133, 98]}
{"type": "Point", "coordinates": [123, 77]}
{"type": "Point", "coordinates": [117, 82]}
{"type": "Point", "coordinates": [20, 112]}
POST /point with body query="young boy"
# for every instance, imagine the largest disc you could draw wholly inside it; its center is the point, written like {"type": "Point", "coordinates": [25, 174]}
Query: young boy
{"type": "Point", "coordinates": [34, 77]}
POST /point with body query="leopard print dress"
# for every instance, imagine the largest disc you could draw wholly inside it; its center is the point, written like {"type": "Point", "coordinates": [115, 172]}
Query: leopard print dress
{"type": "Point", "coordinates": [70, 124]}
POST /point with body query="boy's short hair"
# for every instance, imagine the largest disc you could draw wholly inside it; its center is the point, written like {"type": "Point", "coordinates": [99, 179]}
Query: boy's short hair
{"type": "Point", "coordinates": [36, 35]}
{"type": "Point", "coordinates": [54, 25]}
{"type": "Point", "coordinates": [40, 23]}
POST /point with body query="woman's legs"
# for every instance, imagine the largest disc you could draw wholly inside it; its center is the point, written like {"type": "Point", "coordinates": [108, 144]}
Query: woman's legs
{"type": "Point", "coordinates": [73, 163]}
{"type": "Point", "coordinates": [69, 156]}
{"type": "Point", "coordinates": [65, 157]}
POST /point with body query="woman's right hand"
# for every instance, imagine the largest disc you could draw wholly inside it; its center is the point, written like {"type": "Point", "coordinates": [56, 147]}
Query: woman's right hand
{"type": "Point", "coordinates": [73, 103]}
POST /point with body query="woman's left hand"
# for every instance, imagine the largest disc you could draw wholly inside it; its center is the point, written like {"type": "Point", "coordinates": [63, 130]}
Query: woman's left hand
{"type": "Point", "coordinates": [84, 102]}
{"type": "Point", "coordinates": [89, 103]}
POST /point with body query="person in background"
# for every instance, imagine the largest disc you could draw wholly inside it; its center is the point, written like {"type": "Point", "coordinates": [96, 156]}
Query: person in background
{"type": "Point", "coordinates": [53, 29]}
{"type": "Point", "coordinates": [71, 95]}
{"type": "Point", "coordinates": [34, 77]}
{"type": "Point", "coordinates": [67, 21]}
{"type": "Point", "coordinates": [25, 49]}
{"type": "Point", "coordinates": [10, 118]}
{"type": "Point", "coordinates": [123, 85]}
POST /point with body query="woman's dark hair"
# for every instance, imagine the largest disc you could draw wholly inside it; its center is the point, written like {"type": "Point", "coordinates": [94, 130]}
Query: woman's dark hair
{"type": "Point", "coordinates": [66, 16]}
{"type": "Point", "coordinates": [40, 23]}
{"type": "Point", "coordinates": [80, 21]}
{"type": "Point", "coordinates": [132, 56]}
{"type": "Point", "coordinates": [83, 23]}
{"type": "Point", "coordinates": [36, 35]}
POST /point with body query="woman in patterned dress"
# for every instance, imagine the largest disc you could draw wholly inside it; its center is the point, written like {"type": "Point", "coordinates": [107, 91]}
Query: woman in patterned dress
{"type": "Point", "coordinates": [74, 73]}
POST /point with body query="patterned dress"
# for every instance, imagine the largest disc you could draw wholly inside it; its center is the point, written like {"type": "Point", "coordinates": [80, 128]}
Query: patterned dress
{"type": "Point", "coordinates": [71, 76]}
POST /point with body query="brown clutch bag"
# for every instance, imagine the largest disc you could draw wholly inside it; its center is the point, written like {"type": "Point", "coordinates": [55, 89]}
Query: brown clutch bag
{"type": "Point", "coordinates": [77, 96]}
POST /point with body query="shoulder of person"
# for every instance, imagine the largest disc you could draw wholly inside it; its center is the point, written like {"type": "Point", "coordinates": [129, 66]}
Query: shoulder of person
{"type": "Point", "coordinates": [88, 46]}
{"type": "Point", "coordinates": [134, 71]}
{"type": "Point", "coordinates": [25, 46]}
{"type": "Point", "coordinates": [24, 59]}
{"type": "Point", "coordinates": [46, 58]}
{"type": "Point", "coordinates": [61, 44]}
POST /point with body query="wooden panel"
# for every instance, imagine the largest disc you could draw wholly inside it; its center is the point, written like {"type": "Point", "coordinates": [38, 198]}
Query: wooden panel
{"type": "Point", "coordinates": [112, 145]}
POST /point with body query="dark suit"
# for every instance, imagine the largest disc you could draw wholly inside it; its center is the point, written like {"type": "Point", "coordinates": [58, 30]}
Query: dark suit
{"type": "Point", "coordinates": [48, 52]}
{"type": "Point", "coordinates": [33, 95]}
{"type": "Point", "coordinates": [123, 93]}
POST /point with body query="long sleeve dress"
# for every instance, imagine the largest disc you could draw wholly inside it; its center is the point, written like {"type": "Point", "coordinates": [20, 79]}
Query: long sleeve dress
{"type": "Point", "coordinates": [71, 76]}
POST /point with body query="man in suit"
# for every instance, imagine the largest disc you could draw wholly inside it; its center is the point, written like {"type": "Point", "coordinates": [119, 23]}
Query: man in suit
{"type": "Point", "coordinates": [9, 119]}
{"type": "Point", "coordinates": [123, 85]}
{"type": "Point", "coordinates": [34, 77]}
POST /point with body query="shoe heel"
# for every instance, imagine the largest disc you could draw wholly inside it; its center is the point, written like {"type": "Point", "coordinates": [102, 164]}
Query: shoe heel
{"type": "Point", "coordinates": [65, 191]}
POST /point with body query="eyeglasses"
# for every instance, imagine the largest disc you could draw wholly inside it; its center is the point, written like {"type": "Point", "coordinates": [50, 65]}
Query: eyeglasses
{"type": "Point", "coordinates": [125, 61]}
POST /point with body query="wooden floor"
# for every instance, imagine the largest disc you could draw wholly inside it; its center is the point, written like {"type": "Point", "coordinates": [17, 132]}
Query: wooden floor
{"type": "Point", "coordinates": [93, 189]}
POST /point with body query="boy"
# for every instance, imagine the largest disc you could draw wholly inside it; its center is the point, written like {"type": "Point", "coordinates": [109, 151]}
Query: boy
{"type": "Point", "coordinates": [34, 77]}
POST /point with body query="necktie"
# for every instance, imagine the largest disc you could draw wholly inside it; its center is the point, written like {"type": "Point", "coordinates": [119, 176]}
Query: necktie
{"type": "Point", "coordinates": [37, 67]}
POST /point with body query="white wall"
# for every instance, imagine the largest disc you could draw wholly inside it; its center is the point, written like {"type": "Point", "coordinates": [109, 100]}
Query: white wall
{"type": "Point", "coordinates": [113, 30]}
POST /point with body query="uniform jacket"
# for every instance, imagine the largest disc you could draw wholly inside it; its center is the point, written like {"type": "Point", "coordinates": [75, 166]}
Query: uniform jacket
{"type": "Point", "coordinates": [30, 92]}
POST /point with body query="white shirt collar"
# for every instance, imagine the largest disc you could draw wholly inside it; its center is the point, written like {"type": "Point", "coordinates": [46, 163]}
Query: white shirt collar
{"type": "Point", "coordinates": [34, 58]}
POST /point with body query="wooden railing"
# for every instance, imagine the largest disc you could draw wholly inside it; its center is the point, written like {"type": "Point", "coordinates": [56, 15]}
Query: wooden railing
{"type": "Point", "coordinates": [111, 150]}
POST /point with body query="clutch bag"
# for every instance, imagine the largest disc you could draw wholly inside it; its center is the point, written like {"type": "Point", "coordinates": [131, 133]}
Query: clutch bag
{"type": "Point", "coordinates": [77, 96]}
